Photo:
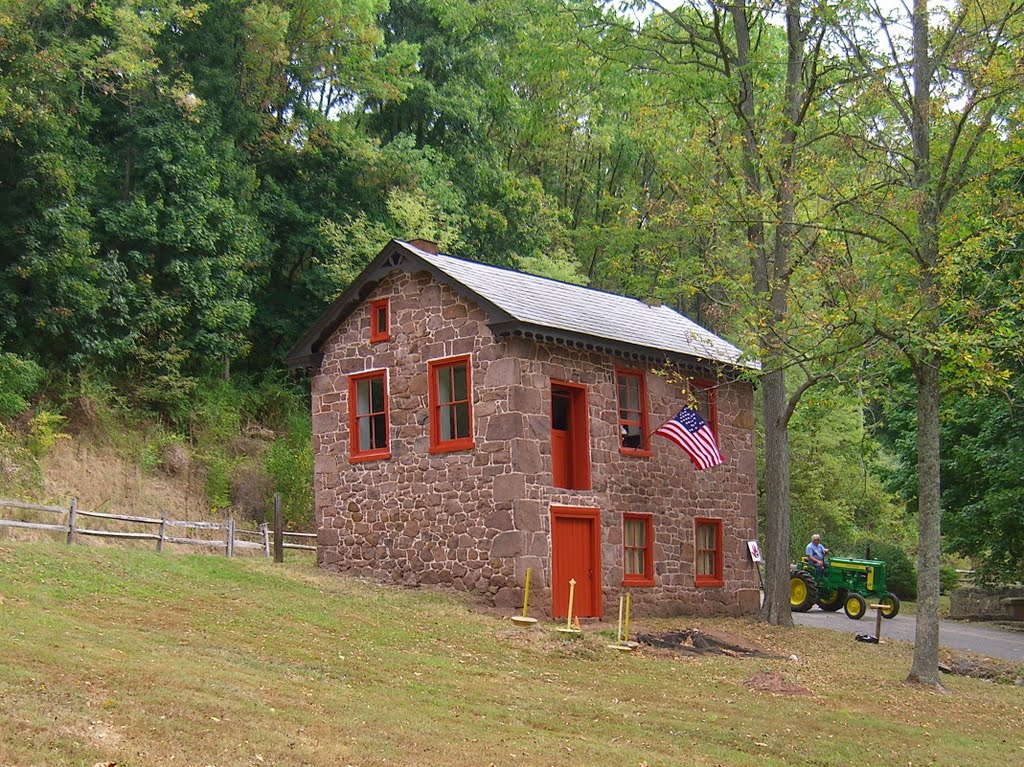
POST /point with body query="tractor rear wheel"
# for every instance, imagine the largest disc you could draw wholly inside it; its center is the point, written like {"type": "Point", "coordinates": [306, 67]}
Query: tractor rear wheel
{"type": "Point", "coordinates": [890, 605]}
{"type": "Point", "coordinates": [833, 600]}
{"type": "Point", "coordinates": [803, 591]}
{"type": "Point", "coordinates": [855, 606]}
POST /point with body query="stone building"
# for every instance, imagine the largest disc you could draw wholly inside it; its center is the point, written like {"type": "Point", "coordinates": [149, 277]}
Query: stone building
{"type": "Point", "coordinates": [471, 422]}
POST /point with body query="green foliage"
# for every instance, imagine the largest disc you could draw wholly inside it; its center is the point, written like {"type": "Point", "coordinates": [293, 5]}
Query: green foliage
{"type": "Point", "coordinates": [44, 429]}
{"type": "Point", "coordinates": [289, 461]}
{"type": "Point", "coordinates": [19, 380]}
{"type": "Point", "coordinates": [900, 574]}
{"type": "Point", "coordinates": [949, 578]}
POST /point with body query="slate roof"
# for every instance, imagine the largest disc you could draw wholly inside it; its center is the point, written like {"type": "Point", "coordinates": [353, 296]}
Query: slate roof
{"type": "Point", "coordinates": [524, 304]}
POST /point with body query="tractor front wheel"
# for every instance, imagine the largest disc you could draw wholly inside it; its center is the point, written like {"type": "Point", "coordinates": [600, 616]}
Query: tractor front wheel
{"type": "Point", "coordinates": [803, 591]}
{"type": "Point", "coordinates": [890, 605]}
{"type": "Point", "coordinates": [830, 601]}
{"type": "Point", "coordinates": [855, 606]}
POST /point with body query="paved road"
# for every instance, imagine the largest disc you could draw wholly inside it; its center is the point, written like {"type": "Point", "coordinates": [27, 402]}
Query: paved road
{"type": "Point", "coordinates": [982, 638]}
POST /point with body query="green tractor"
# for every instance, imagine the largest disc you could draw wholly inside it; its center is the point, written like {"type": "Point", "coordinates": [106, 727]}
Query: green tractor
{"type": "Point", "coordinates": [845, 583]}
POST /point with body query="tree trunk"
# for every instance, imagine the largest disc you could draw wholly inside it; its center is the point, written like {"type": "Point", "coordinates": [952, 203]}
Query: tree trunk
{"type": "Point", "coordinates": [776, 609]}
{"type": "Point", "coordinates": [925, 666]}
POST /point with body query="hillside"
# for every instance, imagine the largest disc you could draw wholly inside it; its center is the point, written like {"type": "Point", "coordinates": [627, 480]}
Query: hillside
{"type": "Point", "coordinates": [121, 656]}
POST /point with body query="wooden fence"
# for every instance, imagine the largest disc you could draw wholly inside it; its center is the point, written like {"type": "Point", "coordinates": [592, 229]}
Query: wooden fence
{"type": "Point", "coordinates": [226, 535]}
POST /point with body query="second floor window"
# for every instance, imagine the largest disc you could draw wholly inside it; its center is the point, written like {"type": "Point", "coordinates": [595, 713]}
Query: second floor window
{"type": "Point", "coordinates": [632, 396]}
{"type": "Point", "coordinates": [451, 405]}
{"type": "Point", "coordinates": [368, 415]}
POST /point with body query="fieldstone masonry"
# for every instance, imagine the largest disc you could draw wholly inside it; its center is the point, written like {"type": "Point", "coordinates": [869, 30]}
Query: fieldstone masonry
{"type": "Point", "coordinates": [476, 520]}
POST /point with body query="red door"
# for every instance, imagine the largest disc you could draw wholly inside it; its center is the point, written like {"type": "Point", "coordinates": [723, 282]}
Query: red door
{"type": "Point", "coordinates": [570, 441]}
{"type": "Point", "coordinates": [575, 554]}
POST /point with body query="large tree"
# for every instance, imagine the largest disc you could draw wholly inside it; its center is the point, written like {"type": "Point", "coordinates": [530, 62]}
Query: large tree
{"type": "Point", "coordinates": [941, 80]}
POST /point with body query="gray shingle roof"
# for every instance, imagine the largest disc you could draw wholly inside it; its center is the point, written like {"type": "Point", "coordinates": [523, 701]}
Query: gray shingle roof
{"type": "Point", "coordinates": [557, 305]}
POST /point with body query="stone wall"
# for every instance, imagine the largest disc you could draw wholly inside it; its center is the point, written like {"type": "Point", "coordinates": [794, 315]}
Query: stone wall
{"type": "Point", "coordinates": [981, 604]}
{"type": "Point", "coordinates": [475, 520]}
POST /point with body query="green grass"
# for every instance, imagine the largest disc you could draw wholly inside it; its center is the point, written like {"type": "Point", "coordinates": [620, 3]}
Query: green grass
{"type": "Point", "coordinates": [119, 655]}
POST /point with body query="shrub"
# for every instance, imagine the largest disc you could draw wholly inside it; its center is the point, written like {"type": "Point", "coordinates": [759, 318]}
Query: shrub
{"type": "Point", "coordinates": [900, 575]}
{"type": "Point", "coordinates": [19, 380]}
{"type": "Point", "coordinates": [949, 579]}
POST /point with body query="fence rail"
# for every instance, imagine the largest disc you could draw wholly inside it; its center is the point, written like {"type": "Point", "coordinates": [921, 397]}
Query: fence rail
{"type": "Point", "coordinates": [232, 537]}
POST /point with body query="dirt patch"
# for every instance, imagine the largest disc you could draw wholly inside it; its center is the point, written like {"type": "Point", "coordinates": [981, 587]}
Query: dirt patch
{"type": "Point", "coordinates": [695, 642]}
{"type": "Point", "coordinates": [776, 684]}
{"type": "Point", "coordinates": [984, 668]}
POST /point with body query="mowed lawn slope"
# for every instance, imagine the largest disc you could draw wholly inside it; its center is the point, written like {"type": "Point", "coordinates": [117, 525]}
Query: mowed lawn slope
{"type": "Point", "coordinates": [112, 655]}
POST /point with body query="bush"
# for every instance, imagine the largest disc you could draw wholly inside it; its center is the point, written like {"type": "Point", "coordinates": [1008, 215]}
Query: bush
{"type": "Point", "coordinates": [19, 380]}
{"type": "Point", "coordinates": [900, 575]}
{"type": "Point", "coordinates": [949, 579]}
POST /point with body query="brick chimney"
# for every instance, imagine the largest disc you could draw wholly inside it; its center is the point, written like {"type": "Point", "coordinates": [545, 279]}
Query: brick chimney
{"type": "Point", "coordinates": [425, 245]}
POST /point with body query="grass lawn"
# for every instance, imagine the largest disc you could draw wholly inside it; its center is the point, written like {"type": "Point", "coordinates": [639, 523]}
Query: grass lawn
{"type": "Point", "coordinates": [113, 655]}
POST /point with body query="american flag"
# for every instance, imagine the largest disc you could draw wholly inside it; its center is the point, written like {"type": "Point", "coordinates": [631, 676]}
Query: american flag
{"type": "Point", "coordinates": [688, 430]}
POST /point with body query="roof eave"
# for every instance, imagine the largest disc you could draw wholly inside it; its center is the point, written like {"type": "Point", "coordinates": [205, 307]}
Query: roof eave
{"type": "Point", "coordinates": [691, 363]}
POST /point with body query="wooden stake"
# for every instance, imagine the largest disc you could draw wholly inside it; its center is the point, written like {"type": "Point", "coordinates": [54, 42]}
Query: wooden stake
{"type": "Point", "coordinates": [572, 594]}
{"type": "Point", "coordinates": [625, 638]}
{"type": "Point", "coordinates": [618, 634]}
{"type": "Point", "coordinates": [526, 590]}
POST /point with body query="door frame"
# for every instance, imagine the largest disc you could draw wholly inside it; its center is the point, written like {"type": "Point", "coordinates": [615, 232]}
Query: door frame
{"type": "Point", "coordinates": [579, 432]}
{"type": "Point", "coordinates": [578, 512]}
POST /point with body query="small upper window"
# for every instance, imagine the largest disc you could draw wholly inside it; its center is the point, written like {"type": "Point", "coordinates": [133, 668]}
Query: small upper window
{"type": "Point", "coordinates": [637, 550]}
{"type": "Point", "coordinates": [704, 399]}
{"type": "Point", "coordinates": [380, 320]}
{"type": "Point", "coordinates": [368, 416]}
{"type": "Point", "coordinates": [708, 552]}
{"type": "Point", "coordinates": [632, 396]}
{"type": "Point", "coordinates": [451, 405]}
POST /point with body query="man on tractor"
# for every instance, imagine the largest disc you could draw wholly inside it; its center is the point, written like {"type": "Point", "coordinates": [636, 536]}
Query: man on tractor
{"type": "Point", "coordinates": [816, 554]}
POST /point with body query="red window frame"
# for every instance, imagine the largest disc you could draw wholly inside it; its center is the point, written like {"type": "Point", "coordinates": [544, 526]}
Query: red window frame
{"type": "Point", "coordinates": [646, 551]}
{"type": "Point", "coordinates": [436, 368]}
{"type": "Point", "coordinates": [704, 391]}
{"type": "Point", "coordinates": [634, 418]}
{"type": "Point", "coordinates": [380, 320]}
{"type": "Point", "coordinates": [701, 553]}
{"type": "Point", "coordinates": [357, 452]}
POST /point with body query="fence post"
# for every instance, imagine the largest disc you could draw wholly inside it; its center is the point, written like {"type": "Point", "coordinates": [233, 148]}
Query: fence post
{"type": "Point", "coordinates": [278, 530]}
{"type": "Point", "coordinates": [265, 531]}
{"type": "Point", "coordinates": [163, 531]}
{"type": "Point", "coordinates": [72, 513]}
{"type": "Point", "coordinates": [231, 535]}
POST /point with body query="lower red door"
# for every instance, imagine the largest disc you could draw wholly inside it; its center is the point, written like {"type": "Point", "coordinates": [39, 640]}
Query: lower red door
{"type": "Point", "coordinates": [575, 555]}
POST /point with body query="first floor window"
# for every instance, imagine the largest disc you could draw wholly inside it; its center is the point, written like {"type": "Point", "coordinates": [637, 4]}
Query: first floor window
{"type": "Point", "coordinates": [451, 405]}
{"type": "Point", "coordinates": [708, 564]}
{"type": "Point", "coordinates": [368, 415]}
{"type": "Point", "coordinates": [637, 550]}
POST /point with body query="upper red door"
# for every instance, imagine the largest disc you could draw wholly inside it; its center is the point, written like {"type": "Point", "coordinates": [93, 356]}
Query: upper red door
{"type": "Point", "coordinates": [570, 440]}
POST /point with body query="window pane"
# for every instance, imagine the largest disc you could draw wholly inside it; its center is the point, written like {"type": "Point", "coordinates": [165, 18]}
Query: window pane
{"type": "Point", "coordinates": [380, 432]}
{"type": "Point", "coordinates": [634, 562]}
{"type": "Point", "coordinates": [459, 374]}
{"type": "Point", "coordinates": [702, 399]}
{"type": "Point", "coordinates": [362, 397]}
{"type": "Point", "coordinates": [706, 563]}
{"type": "Point", "coordinates": [559, 411]}
{"type": "Point", "coordinates": [632, 436]}
{"type": "Point", "coordinates": [447, 413]}
{"type": "Point", "coordinates": [364, 433]}
{"type": "Point", "coordinates": [377, 394]}
{"type": "Point", "coordinates": [444, 385]}
{"type": "Point", "coordinates": [461, 420]}
{"type": "Point", "coordinates": [382, 320]}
